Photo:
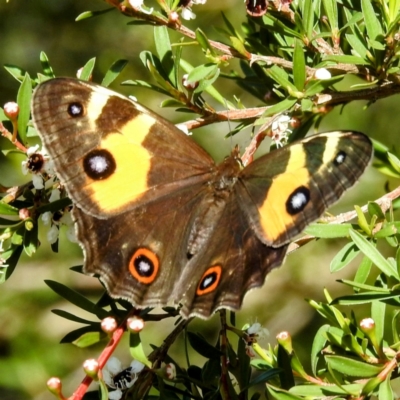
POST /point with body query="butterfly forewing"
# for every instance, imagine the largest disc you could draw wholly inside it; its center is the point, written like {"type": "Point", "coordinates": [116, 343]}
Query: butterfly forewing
{"type": "Point", "coordinates": [288, 188]}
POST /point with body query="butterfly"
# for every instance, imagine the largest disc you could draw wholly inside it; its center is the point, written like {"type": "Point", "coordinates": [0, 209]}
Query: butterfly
{"type": "Point", "coordinates": [159, 222]}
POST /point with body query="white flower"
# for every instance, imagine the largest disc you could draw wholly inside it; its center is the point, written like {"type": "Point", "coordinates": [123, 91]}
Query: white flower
{"type": "Point", "coordinates": [120, 379]}
{"type": "Point", "coordinates": [257, 329]}
{"type": "Point", "coordinates": [322, 74]}
{"type": "Point", "coordinates": [37, 161]}
{"type": "Point", "coordinates": [188, 14]}
{"type": "Point", "coordinates": [54, 196]}
{"type": "Point", "coordinates": [52, 234]}
{"type": "Point", "coordinates": [280, 130]}
{"type": "Point", "coordinates": [47, 217]}
{"type": "Point", "coordinates": [37, 181]}
{"type": "Point", "coordinates": [138, 5]}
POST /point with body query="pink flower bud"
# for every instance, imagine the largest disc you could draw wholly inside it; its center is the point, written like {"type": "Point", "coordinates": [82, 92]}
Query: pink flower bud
{"type": "Point", "coordinates": [135, 324]}
{"type": "Point", "coordinates": [11, 110]}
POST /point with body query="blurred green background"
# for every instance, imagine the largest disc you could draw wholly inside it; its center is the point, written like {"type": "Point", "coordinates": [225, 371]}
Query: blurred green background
{"type": "Point", "coordinates": [30, 352]}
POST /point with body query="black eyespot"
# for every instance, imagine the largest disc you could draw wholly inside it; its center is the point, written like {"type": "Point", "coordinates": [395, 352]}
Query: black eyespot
{"type": "Point", "coordinates": [75, 109]}
{"type": "Point", "coordinates": [298, 200]}
{"type": "Point", "coordinates": [340, 158]}
{"type": "Point", "coordinates": [99, 164]}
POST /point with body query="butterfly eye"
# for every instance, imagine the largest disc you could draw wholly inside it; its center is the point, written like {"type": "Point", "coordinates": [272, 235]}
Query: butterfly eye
{"type": "Point", "coordinates": [144, 266]}
{"type": "Point", "coordinates": [210, 280]}
{"type": "Point", "coordinates": [298, 200]}
{"type": "Point", "coordinates": [340, 158]}
{"type": "Point", "coordinates": [99, 164]}
{"type": "Point", "coordinates": [76, 110]}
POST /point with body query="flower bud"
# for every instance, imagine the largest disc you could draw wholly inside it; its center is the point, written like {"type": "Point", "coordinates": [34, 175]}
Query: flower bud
{"type": "Point", "coordinates": [11, 110]}
{"type": "Point", "coordinates": [135, 324]}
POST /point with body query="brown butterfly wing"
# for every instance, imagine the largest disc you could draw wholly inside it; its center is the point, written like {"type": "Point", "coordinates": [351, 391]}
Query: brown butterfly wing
{"type": "Point", "coordinates": [110, 152]}
{"type": "Point", "coordinates": [285, 190]}
{"type": "Point", "coordinates": [230, 261]}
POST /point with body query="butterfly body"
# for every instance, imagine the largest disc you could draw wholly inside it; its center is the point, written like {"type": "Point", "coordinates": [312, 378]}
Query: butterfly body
{"type": "Point", "coordinates": [159, 221]}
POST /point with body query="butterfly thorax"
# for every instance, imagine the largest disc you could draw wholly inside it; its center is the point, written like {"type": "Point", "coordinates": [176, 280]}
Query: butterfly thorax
{"type": "Point", "coordinates": [226, 175]}
{"type": "Point", "coordinates": [210, 211]}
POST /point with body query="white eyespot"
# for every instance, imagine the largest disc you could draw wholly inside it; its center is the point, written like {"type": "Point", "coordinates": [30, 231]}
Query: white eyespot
{"type": "Point", "coordinates": [98, 164]}
{"type": "Point", "coordinates": [144, 266]}
{"type": "Point", "coordinates": [340, 158]}
{"type": "Point", "coordinates": [298, 201]}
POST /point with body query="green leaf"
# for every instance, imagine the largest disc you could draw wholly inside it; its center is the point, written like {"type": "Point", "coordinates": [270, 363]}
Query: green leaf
{"type": "Point", "coordinates": [203, 41]}
{"type": "Point", "coordinates": [328, 231]}
{"type": "Point", "coordinates": [72, 317]}
{"type": "Point", "coordinates": [385, 390]}
{"type": "Point", "coordinates": [202, 346]}
{"type": "Point", "coordinates": [358, 46]}
{"type": "Point", "coordinates": [89, 339]}
{"type": "Point", "coordinates": [280, 76]}
{"type": "Point", "coordinates": [374, 28]}
{"type": "Point", "coordinates": [308, 18]}
{"type": "Point", "coordinates": [146, 85]}
{"type": "Point", "coordinates": [47, 70]}
{"type": "Point", "coordinates": [355, 284]}
{"type": "Point", "coordinates": [6, 209]}
{"type": "Point", "coordinates": [317, 346]}
{"type": "Point", "coordinates": [347, 254]}
{"type": "Point", "coordinates": [113, 72]}
{"type": "Point", "coordinates": [164, 52]}
{"type": "Point", "coordinates": [375, 209]}
{"type": "Point", "coordinates": [202, 72]}
{"type": "Point", "coordinates": [11, 256]}
{"type": "Point", "coordinates": [345, 59]}
{"type": "Point", "coordinates": [77, 333]}
{"type": "Point", "coordinates": [363, 270]}
{"type": "Point", "coordinates": [31, 241]}
{"type": "Point", "coordinates": [17, 72]}
{"type": "Point", "coordinates": [136, 349]}
{"type": "Point", "coordinates": [371, 385]}
{"type": "Point", "coordinates": [351, 367]}
{"type": "Point", "coordinates": [373, 254]}
{"type": "Point", "coordinates": [91, 14]}
{"type": "Point", "coordinates": [378, 313]}
{"type": "Point", "coordinates": [280, 394]}
{"type": "Point", "coordinates": [331, 11]}
{"type": "Point", "coordinates": [324, 391]}
{"type": "Point", "coordinates": [280, 107]}
{"type": "Point", "coordinates": [317, 86]}
{"type": "Point", "coordinates": [210, 89]}
{"type": "Point", "coordinates": [87, 70]}
{"type": "Point", "coordinates": [395, 331]}
{"type": "Point", "coordinates": [299, 66]}
{"type": "Point", "coordinates": [365, 297]}
{"type": "Point", "coordinates": [263, 377]}
{"type": "Point", "coordinates": [24, 103]}
{"type": "Point", "coordinates": [77, 299]}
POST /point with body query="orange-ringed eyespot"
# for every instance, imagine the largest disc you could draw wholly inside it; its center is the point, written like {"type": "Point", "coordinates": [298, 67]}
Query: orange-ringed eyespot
{"type": "Point", "coordinates": [210, 280]}
{"type": "Point", "coordinates": [144, 265]}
